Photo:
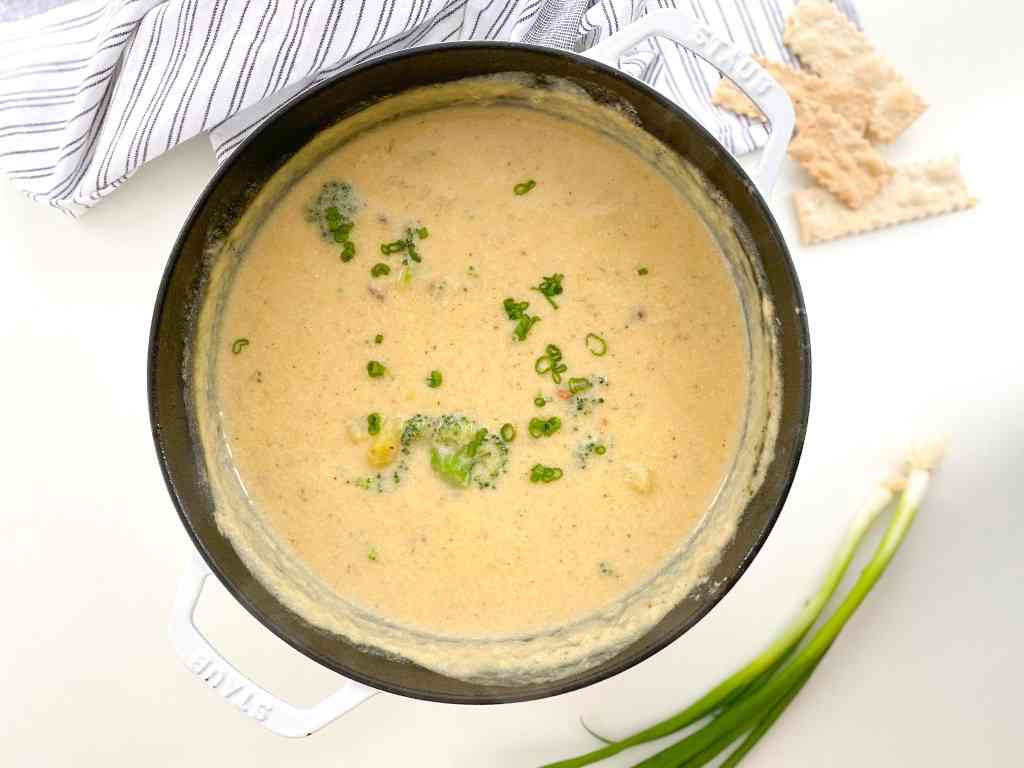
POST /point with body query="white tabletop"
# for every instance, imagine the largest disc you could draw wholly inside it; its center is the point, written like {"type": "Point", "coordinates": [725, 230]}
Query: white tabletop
{"type": "Point", "coordinates": [916, 332]}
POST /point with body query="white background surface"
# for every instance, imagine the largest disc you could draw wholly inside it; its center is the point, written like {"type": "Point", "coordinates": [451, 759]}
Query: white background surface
{"type": "Point", "coordinates": [915, 331]}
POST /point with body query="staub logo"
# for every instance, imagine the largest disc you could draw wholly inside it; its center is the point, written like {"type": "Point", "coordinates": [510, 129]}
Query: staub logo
{"type": "Point", "coordinates": [733, 62]}
{"type": "Point", "coordinates": [237, 690]}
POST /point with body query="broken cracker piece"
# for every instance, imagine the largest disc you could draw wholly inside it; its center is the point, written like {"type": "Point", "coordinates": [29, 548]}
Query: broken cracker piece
{"type": "Point", "coordinates": [914, 192]}
{"type": "Point", "coordinates": [837, 156]}
{"type": "Point", "coordinates": [853, 103]}
{"type": "Point", "coordinates": [830, 45]}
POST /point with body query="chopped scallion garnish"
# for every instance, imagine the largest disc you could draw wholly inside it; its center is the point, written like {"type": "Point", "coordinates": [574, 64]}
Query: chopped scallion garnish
{"type": "Point", "coordinates": [435, 379]}
{"type": "Point", "coordinates": [540, 401]}
{"type": "Point", "coordinates": [597, 346]}
{"type": "Point", "coordinates": [238, 345]}
{"type": "Point", "coordinates": [373, 423]}
{"type": "Point", "coordinates": [376, 369]}
{"type": "Point", "coordinates": [544, 427]}
{"type": "Point", "coordinates": [378, 339]}
{"type": "Point", "coordinates": [524, 186]}
{"type": "Point", "coordinates": [551, 362]}
{"type": "Point", "coordinates": [516, 310]}
{"type": "Point", "coordinates": [550, 286]}
{"type": "Point", "coordinates": [508, 432]}
{"type": "Point", "coordinates": [578, 384]}
{"type": "Point", "coordinates": [541, 474]}
{"type": "Point", "coordinates": [642, 271]}
{"type": "Point", "coordinates": [348, 250]}
{"type": "Point", "coordinates": [380, 269]}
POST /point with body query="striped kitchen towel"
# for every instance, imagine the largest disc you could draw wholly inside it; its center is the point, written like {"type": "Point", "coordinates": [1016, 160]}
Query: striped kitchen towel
{"type": "Point", "coordinates": [92, 89]}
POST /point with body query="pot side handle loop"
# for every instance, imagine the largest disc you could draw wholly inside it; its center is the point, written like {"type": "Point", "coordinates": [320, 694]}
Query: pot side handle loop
{"type": "Point", "coordinates": [265, 708]}
{"type": "Point", "coordinates": [752, 79]}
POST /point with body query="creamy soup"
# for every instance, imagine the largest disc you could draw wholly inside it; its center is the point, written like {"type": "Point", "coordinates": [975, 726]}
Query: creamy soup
{"type": "Point", "coordinates": [481, 371]}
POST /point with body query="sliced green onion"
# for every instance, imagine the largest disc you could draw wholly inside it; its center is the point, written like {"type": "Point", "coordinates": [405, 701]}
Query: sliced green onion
{"type": "Point", "coordinates": [578, 384]}
{"type": "Point", "coordinates": [376, 369]}
{"type": "Point", "coordinates": [598, 347]}
{"type": "Point", "coordinates": [642, 271]}
{"type": "Point", "coordinates": [378, 339]}
{"type": "Point", "coordinates": [515, 309]}
{"type": "Point", "coordinates": [540, 401]}
{"type": "Point", "coordinates": [333, 215]}
{"type": "Point", "coordinates": [600, 449]}
{"type": "Point", "coordinates": [541, 474]}
{"type": "Point", "coordinates": [239, 344]}
{"type": "Point", "coordinates": [423, 233]}
{"type": "Point", "coordinates": [393, 247]}
{"type": "Point", "coordinates": [435, 379]}
{"type": "Point", "coordinates": [380, 269]}
{"type": "Point", "coordinates": [524, 325]}
{"type": "Point", "coordinates": [371, 555]}
{"type": "Point", "coordinates": [373, 423]}
{"type": "Point", "coordinates": [524, 186]}
{"type": "Point", "coordinates": [550, 286]}
{"type": "Point", "coordinates": [508, 432]}
{"type": "Point", "coordinates": [544, 427]}
{"type": "Point", "coordinates": [551, 362]}
{"type": "Point", "coordinates": [339, 236]}
{"type": "Point", "coordinates": [348, 250]}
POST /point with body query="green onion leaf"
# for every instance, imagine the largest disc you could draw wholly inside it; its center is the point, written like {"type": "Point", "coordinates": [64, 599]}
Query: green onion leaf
{"type": "Point", "coordinates": [379, 269]}
{"type": "Point", "coordinates": [376, 369]}
{"type": "Point", "coordinates": [747, 703]}
{"type": "Point", "coordinates": [540, 401]}
{"type": "Point", "coordinates": [333, 215]}
{"type": "Point", "coordinates": [524, 186]}
{"type": "Point", "coordinates": [378, 339]}
{"type": "Point", "coordinates": [348, 250]}
{"type": "Point", "coordinates": [238, 345]}
{"type": "Point", "coordinates": [642, 271]}
{"type": "Point", "coordinates": [508, 432]}
{"type": "Point", "coordinates": [434, 380]}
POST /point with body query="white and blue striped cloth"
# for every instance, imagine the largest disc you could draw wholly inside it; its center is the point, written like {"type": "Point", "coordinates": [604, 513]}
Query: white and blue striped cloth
{"type": "Point", "coordinates": [92, 89]}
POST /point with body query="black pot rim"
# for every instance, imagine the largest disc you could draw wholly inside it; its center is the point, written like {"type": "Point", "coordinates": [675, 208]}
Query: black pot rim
{"type": "Point", "coordinates": [510, 694]}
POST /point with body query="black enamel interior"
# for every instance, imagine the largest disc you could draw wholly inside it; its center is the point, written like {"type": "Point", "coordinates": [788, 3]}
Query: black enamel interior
{"type": "Point", "coordinates": [263, 154]}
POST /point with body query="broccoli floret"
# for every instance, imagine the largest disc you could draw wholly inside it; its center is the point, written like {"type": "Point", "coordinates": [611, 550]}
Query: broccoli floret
{"type": "Point", "coordinates": [333, 209]}
{"type": "Point", "coordinates": [463, 452]}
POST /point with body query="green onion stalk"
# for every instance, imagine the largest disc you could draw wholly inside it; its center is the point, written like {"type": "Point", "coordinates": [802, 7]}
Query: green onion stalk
{"type": "Point", "coordinates": [748, 702]}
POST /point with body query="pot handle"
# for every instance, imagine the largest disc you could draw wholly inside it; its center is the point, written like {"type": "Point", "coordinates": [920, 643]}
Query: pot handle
{"type": "Point", "coordinates": [213, 669]}
{"type": "Point", "coordinates": [752, 79]}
